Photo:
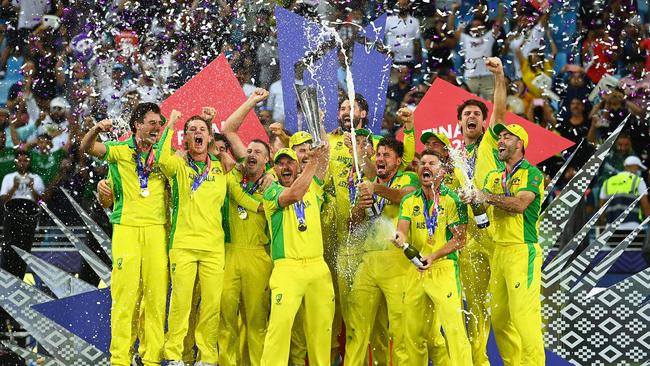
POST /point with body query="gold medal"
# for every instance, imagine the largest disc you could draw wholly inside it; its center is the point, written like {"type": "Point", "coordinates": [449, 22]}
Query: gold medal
{"type": "Point", "coordinates": [302, 227]}
{"type": "Point", "coordinates": [144, 192]}
{"type": "Point", "coordinates": [242, 213]}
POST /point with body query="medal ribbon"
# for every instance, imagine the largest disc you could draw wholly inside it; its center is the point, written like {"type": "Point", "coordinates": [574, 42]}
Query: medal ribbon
{"type": "Point", "coordinates": [300, 212]}
{"type": "Point", "coordinates": [431, 220]}
{"type": "Point", "coordinates": [351, 186]}
{"type": "Point", "coordinates": [143, 170]}
{"type": "Point", "coordinates": [382, 201]}
{"type": "Point", "coordinates": [244, 185]}
{"type": "Point", "coordinates": [505, 177]}
{"type": "Point", "coordinates": [199, 179]}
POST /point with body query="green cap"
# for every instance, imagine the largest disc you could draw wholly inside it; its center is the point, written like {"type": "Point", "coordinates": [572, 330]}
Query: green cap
{"type": "Point", "coordinates": [285, 152]}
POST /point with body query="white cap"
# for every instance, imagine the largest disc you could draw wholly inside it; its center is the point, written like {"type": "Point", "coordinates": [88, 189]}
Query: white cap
{"type": "Point", "coordinates": [59, 102]}
{"type": "Point", "coordinates": [634, 160]}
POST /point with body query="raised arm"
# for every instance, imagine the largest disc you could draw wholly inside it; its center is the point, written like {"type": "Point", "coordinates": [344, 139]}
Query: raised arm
{"type": "Point", "coordinates": [235, 120]}
{"type": "Point", "coordinates": [297, 190]}
{"type": "Point", "coordinates": [89, 144]}
{"type": "Point", "coordinates": [500, 91]}
{"type": "Point", "coordinates": [405, 115]}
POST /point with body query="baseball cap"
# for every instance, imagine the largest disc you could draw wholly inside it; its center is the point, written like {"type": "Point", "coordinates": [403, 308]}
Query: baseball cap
{"type": "Point", "coordinates": [59, 102]}
{"type": "Point", "coordinates": [634, 160]}
{"type": "Point", "coordinates": [299, 137]}
{"type": "Point", "coordinates": [362, 132]}
{"type": "Point", "coordinates": [514, 129]}
{"type": "Point", "coordinates": [285, 152]}
{"type": "Point", "coordinates": [439, 135]}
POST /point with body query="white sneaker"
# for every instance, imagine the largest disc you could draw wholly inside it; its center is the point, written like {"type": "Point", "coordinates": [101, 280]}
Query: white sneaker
{"type": "Point", "coordinates": [201, 363]}
{"type": "Point", "coordinates": [175, 363]}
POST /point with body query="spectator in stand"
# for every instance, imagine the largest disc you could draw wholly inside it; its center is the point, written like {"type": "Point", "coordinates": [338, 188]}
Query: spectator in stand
{"type": "Point", "coordinates": [111, 96]}
{"type": "Point", "coordinates": [574, 122]}
{"type": "Point", "coordinates": [56, 124]}
{"type": "Point", "coordinates": [606, 116]}
{"type": "Point", "coordinates": [527, 36]}
{"type": "Point", "coordinates": [403, 36]}
{"type": "Point", "coordinates": [440, 41]}
{"type": "Point", "coordinates": [30, 13]}
{"type": "Point", "coordinates": [21, 183]}
{"type": "Point", "coordinates": [45, 162]}
{"type": "Point", "coordinates": [572, 82]}
{"type": "Point", "coordinates": [636, 87]}
{"type": "Point", "coordinates": [477, 44]}
{"type": "Point", "coordinates": [626, 186]}
{"type": "Point", "coordinates": [541, 112]}
{"type": "Point", "coordinates": [275, 101]}
{"type": "Point", "coordinates": [535, 68]}
{"type": "Point", "coordinates": [600, 54]}
{"type": "Point", "coordinates": [614, 161]}
{"type": "Point", "coordinates": [49, 76]}
{"type": "Point", "coordinates": [403, 85]}
{"type": "Point", "coordinates": [7, 157]}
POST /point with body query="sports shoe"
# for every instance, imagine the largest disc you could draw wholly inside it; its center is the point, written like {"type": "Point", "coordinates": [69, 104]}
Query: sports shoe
{"type": "Point", "coordinates": [175, 363]}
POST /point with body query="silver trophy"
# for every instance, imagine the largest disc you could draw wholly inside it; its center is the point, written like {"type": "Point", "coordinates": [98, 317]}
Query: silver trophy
{"type": "Point", "coordinates": [308, 99]}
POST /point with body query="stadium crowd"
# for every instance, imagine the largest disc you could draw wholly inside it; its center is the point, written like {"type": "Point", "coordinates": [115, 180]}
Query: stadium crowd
{"type": "Point", "coordinates": [577, 69]}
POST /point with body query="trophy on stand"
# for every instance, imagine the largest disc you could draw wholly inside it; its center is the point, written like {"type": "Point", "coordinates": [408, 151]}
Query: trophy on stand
{"type": "Point", "coordinates": [308, 99]}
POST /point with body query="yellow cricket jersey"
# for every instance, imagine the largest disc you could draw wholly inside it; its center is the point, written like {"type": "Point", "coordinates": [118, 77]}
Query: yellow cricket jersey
{"type": "Point", "coordinates": [286, 240]}
{"type": "Point", "coordinates": [339, 152]}
{"type": "Point", "coordinates": [130, 208]}
{"type": "Point", "coordinates": [486, 157]}
{"type": "Point", "coordinates": [451, 212]}
{"type": "Point", "coordinates": [382, 229]}
{"type": "Point", "coordinates": [196, 217]}
{"type": "Point", "coordinates": [252, 230]}
{"type": "Point", "coordinates": [513, 228]}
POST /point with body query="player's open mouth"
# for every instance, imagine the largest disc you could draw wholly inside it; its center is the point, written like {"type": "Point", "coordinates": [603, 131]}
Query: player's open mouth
{"type": "Point", "coordinates": [198, 140]}
{"type": "Point", "coordinates": [286, 174]}
{"type": "Point", "coordinates": [427, 174]}
{"type": "Point", "coordinates": [471, 125]}
{"type": "Point", "coordinates": [502, 149]}
{"type": "Point", "coordinates": [153, 134]}
{"type": "Point", "coordinates": [251, 162]}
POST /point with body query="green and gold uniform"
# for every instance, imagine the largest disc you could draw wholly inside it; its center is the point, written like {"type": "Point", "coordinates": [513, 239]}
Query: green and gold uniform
{"type": "Point", "coordinates": [381, 273]}
{"type": "Point", "coordinates": [516, 268]}
{"type": "Point", "coordinates": [196, 243]}
{"type": "Point", "coordinates": [474, 259]}
{"type": "Point", "coordinates": [439, 286]}
{"type": "Point", "coordinates": [348, 255]}
{"type": "Point", "coordinates": [246, 278]}
{"type": "Point", "coordinates": [139, 256]}
{"type": "Point", "coordinates": [299, 272]}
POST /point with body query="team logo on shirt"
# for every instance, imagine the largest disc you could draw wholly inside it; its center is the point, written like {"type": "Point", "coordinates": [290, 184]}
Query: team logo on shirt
{"type": "Point", "coordinates": [119, 263]}
{"type": "Point", "coordinates": [173, 268]}
{"type": "Point", "coordinates": [278, 298]}
{"type": "Point", "coordinates": [517, 285]}
{"type": "Point", "coordinates": [516, 181]}
{"type": "Point", "coordinates": [449, 295]}
{"type": "Point", "coordinates": [216, 171]}
{"type": "Point", "coordinates": [339, 144]}
{"type": "Point", "coordinates": [416, 210]}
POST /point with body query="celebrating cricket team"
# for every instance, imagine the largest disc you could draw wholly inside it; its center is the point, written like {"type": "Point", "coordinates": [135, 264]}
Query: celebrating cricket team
{"type": "Point", "coordinates": [340, 251]}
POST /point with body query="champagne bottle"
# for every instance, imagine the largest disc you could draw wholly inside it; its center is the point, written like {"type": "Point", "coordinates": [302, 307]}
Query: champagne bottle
{"type": "Point", "coordinates": [413, 255]}
{"type": "Point", "coordinates": [373, 211]}
{"type": "Point", "coordinates": [480, 215]}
